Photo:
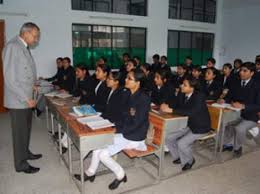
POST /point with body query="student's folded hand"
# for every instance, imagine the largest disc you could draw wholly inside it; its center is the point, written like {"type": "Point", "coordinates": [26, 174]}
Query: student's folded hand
{"type": "Point", "coordinates": [238, 105]}
{"type": "Point", "coordinates": [221, 101]}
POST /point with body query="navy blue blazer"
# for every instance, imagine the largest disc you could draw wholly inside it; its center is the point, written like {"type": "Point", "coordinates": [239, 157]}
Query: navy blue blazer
{"type": "Point", "coordinates": [197, 111]}
{"type": "Point", "coordinates": [116, 106]}
{"type": "Point", "coordinates": [68, 79]}
{"type": "Point", "coordinates": [212, 91]}
{"type": "Point", "coordinates": [248, 95]}
{"type": "Point", "coordinates": [136, 119]}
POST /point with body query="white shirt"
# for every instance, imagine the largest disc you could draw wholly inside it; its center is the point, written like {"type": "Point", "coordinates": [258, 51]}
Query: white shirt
{"type": "Point", "coordinates": [246, 81]}
{"type": "Point", "coordinates": [25, 44]}
{"type": "Point", "coordinates": [188, 96]}
{"type": "Point", "coordinates": [110, 94]}
{"type": "Point", "coordinates": [97, 87]}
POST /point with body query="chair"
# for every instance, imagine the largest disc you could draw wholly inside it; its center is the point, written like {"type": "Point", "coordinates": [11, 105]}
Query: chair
{"type": "Point", "coordinates": [154, 146]}
{"type": "Point", "coordinates": [216, 118]}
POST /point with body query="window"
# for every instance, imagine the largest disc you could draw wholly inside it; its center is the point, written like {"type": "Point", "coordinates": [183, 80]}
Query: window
{"type": "Point", "coordinates": [90, 42]}
{"type": "Point", "coordinates": [130, 7]}
{"type": "Point", "coordinates": [181, 44]}
{"type": "Point", "coordinates": [196, 10]}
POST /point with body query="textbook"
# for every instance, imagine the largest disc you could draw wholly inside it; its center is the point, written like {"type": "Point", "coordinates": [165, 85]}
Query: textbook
{"type": "Point", "coordinates": [95, 122]}
{"type": "Point", "coordinates": [225, 105]}
{"type": "Point", "coordinates": [84, 110]}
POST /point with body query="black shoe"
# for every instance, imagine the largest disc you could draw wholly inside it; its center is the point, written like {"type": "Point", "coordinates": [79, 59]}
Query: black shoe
{"type": "Point", "coordinates": [64, 150]}
{"type": "Point", "coordinates": [29, 170]}
{"type": "Point", "coordinates": [38, 112]}
{"type": "Point", "coordinates": [34, 156]}
{"type": "Point", "coordinates": [238, 153]}
{"type": "Point", "coordinates": [188, 166]}
{"type": "Point", "coordinates": [56, 135]}
{"type": "Point", "coordinates": [227, 148]}
{"type": "Point", "coordinates": [117, 182]}
{"type": "Point", "coordinates": [86, 177]}
{"type": "Point", "coordinates": [177, 161]}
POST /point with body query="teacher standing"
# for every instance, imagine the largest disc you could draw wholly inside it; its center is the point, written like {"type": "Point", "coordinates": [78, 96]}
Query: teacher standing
{"type": "Point", "coordinates": [19, 79]}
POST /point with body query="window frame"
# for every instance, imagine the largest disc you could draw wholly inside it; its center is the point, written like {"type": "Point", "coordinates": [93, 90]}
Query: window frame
{"type": "Point", "coordinates": [111, 38]}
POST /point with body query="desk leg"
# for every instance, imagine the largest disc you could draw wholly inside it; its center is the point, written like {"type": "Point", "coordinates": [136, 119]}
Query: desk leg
{"type": "Point", "coordinates": [47, 117]}
{"type": "Point", "coordinates": [70, 157]}
{"type": "Point", "coordinates": [59, 132]}
{"type": "Point", "coordinates": [223, 127]}
{"type": "Point", "coordinates": [82, 173]}
{"type": "Point", "coordinates": [52, 124]}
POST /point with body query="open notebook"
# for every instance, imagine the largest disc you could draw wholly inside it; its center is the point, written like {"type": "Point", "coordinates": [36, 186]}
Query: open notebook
{"type": "Point", "coordinates": [225, 105]}
{"type": "Point", "coordinates": [58, 94]}
{"type": "Point", "coordinates": [95, 122]}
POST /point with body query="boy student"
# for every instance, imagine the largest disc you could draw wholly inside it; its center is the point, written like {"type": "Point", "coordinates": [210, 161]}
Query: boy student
{"type": "Point", "coordinates": [156, 63]}
{"type": "Point", "coordinates": [68, 77]}
{"type": "Point", "coordinates": [245, 94]}
{"type": "Point", "coordinates": [164, 64]}
{"type": "Point", "coordinates": [190, 102]}
{"type": "Point", "coordinates": [188, 63]}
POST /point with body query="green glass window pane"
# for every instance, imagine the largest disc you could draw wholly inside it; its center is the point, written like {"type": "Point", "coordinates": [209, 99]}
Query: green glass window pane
{"type": "Point", "coordinates": [82, 55]}
{"type": "Point", "coordinates": [172, 55]}
{"type": "Point", "coordinates": [102, 52]}
{"type": "Point", "coordinates": [140, 52]}
{"type": "Point", "coordinates": [117, 53]}
{"type": "Point", "coordinates": [196, 57]}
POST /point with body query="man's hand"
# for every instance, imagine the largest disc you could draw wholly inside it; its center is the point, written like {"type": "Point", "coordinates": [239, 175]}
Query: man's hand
{"type": "Point", "coordinates": [165, 108]}
{"type": "Point", "coordinates": [31, 103]}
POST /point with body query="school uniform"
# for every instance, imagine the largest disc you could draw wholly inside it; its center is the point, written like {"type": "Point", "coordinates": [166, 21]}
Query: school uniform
{"type": "Point", "coordinates": [84, 89]}
{"type": "Point", "coordinates": [212, 89]}
{"type": "Point", "coordinates": [116, 105]}
{"type": "Point", "coordinates": [162, 94]}
{"type": "Point", "coordinates": [68, 79]}
{"type": "Point", "coordinates": [166, 67]}
{"type": "Point", "coordinates": [235, 73]}
{"type": "Point", "coordinates": [131, 135]}
{"type": "Point", "coordinates": [257, 75]}
{"type": "Point", "coordinates": [148, 84]}
{"type": "Point", "coordinates": [99, 96]}
{"type": "Point", "coordinates": [56, 79]}
{"type": "Point", "coordinates": [155, 67]}
{"type": "Point", "coordinates": [248, 93]}
{"type": "Point", "coordinates": [180, 141]}
{"type": "Point", "coordinates": [178, 80]}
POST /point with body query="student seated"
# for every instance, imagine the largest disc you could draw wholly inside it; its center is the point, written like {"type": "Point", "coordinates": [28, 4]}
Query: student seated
{"type": "Point", "coordinates": [227, 79]}
{"type": "Point", "coordinates": [190, 102]}
{"type": "Point", "coordinates": [164, 65]}
{"type": "Point", "coordinates": [117, 99]}
{"type": "Point", "coordinates": [131, 65]}
{"type": "Point", "coordinates": [131, 135]}
{"type": "Point", "coordinates": [182, 72]}
{"type": "Point", "coordinates": [163, 90]}
{"type": "Point", "coordinates": [257, 72]}
{"type": "Point", "coordinates": [211, 87]}
{"type": "Point", "coordinates": [84, 84]}
{"type": "Point", "coordinates": [100, 91]}
{"type": "Point", "coordinates": [68, 77]}
{"type": "Point", "coordinates": [211, 63]}
{"type": "Point", "coordinates": [148, 83]}
{"type": "Point", "coordinates": [245, 94]}
{"type": "Point", "coordinates": [156, 63]}
{"type": "Point", "coordinates": [137, 61]}
{"type": "Point", "coordinates": [197, 74]}
{"type": "Point", "coordinates": [56, 79]}
{"type": "Point", "coordinates": [188, 63]}
{"type": "Point", "coordinates": [236, 68]}
{"type": "Point", "coordinates": [125, 58]}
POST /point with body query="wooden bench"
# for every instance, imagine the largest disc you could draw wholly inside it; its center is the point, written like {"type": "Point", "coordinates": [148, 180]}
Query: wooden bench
{"type": "Point", "coordinates": [154, 143]}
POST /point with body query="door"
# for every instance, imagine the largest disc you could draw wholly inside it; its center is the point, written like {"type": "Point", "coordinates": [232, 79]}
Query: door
{"type": "Point", "coordinates": [2, 41]}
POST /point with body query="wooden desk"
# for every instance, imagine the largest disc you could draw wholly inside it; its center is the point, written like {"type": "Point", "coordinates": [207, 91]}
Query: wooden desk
{"type": "Point", "coordinates": [167, 123]}
{"type": "Point", "coordinates": [82, 137]}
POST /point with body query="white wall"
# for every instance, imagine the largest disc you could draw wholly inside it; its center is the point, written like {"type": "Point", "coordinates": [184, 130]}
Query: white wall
{"type": "Point", "coordinates": [240, 33]}
{"type": "Point", "coordinates": [55, 19]}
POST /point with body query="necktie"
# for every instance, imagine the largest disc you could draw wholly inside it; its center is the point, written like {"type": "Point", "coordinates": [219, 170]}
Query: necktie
{"type": "Point", "coordinates": [186, 99]}
{"type": "Point", "coordinates": [243, 84]}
